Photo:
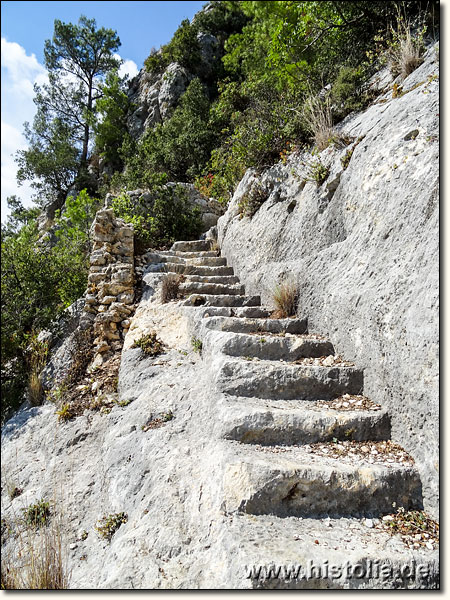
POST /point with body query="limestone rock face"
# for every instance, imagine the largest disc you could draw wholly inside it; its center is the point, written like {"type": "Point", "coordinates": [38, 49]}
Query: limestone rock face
{"type": "Point", "coordinates": [363, 249]}
{"type": "Point", "coordinates": [174, 83]}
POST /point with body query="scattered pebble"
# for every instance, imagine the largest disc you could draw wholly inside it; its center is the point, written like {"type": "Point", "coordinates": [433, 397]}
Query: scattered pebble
{"type": "Point", "coordinates": [349, 402]}
{"type": "Point", "coordinates": [324, 361]}
{"type": "Point", "coordinates": [349, 451]}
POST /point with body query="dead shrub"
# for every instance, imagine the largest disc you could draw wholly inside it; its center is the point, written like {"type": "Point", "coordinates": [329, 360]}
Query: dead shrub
{"type": "Point", "coordinates": [285, 297]}
{"type": "Point", "coordinates": [170, 288]}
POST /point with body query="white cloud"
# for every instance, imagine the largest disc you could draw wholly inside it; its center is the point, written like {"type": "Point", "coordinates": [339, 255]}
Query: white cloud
{"type": "Point", "coordinates": [128, 67]}
{"type": "Point", "coordinates": [20, 72]}
{"type": "Point", "coordinates": [12, 141]}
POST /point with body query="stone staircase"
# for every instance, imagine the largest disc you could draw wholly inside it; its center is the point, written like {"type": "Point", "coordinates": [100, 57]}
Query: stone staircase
{"type": "Point", "coordinates": [295, 464]}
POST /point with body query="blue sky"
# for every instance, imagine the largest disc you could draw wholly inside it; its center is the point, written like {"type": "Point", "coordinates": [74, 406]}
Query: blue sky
{"type": "Point", "coordinates": [25, 25]}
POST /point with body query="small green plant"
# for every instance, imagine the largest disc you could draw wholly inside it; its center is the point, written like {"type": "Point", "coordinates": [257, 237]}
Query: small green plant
{"type": "Point", "coordinates": [168, 416]}
{"type": "Point", "coordinates": [250, 202]}
{"type": "Point", "coordinates": [345, 160]}
{"type": "Point", "coordinates": [317, 172]}
{"type": "Point", "coordinates": [285, 297]}
{"type": "Point", "coordinates": [84, 535]}
{"type": "Point", "coordinates": [124, 402]}
{"type": "Point", "coordinates": [109, 524]}
{"type": "Point", "coordinates": [197, 345]}
{"type": "Point", "coordinates": [149, 344]}
{"type": "Point", "coordinates": [349, 432]}
{"type": "Point", "coordinates": [65, 413]}
{"type": "Point", "coordinates": [36, 515]}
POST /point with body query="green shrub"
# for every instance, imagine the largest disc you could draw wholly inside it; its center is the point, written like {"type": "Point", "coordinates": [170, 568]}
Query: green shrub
{"type": "Point", "coordinates": [109, 524]}
{"type": "Point", "coordinates": [347, 92]}
{"type": "Point", "coordinates": [197, 344]}
{"type": "Point", "coordinates": [36, 515]}
{"type": "Point", "coordinates": [149, 344]}
{"type": "Point", "coordinates": [163, 218]}
{"type": "Point", "coordinates": [41, 277]}
{"type": "Point", "coordinates": [250, 202]}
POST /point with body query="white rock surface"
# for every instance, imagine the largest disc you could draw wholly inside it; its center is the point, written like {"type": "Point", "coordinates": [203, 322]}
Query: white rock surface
{"type": "Point", "coordinates": [364, 251]}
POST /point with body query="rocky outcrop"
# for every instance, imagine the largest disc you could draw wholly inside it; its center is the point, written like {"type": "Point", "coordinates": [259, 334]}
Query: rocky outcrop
{"type": "Point", "coordinates": [155, 96]}
{"type": "Point", "coordinates": [110, 294]}
{"type": "Point", "coordinates": [216, 484]}
{"type": "Point", "coordinates": [363, 248]}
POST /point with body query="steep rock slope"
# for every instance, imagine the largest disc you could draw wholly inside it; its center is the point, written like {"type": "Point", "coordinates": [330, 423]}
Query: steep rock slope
{"type": "Point", "coordinates": [222, 467]}
{"type": "Point", "coordinates": [363, 250]}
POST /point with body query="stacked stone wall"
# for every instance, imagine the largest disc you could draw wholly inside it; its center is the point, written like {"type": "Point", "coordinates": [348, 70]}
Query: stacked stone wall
{"type": "Point", "coordinates": [110, 294]}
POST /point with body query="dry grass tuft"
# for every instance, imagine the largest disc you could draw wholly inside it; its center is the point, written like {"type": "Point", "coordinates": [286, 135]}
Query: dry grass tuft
{"type": "Point", "coordinates": [406, 50]}
{"type": "Point", "coordinates": [37, 358]}
{"type": "Point", "coordinates": [170, 288]}
{"type": "Point", "coordinates": [319, 120]}
{"type": "Point", "coordinates": [285, 297]}
{"type": "Point", "coordinates": [38, 560]}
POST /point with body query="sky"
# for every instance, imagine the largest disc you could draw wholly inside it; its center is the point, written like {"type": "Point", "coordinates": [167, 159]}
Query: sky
{"type": "Point", "coordinates": [25, 25]}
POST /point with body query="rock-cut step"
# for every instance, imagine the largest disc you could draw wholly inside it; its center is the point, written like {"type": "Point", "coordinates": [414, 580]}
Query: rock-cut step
{"type": "Point", "coordinates": [269, 347]}
{"type": "Point", "coordinates": [204, 271]}
{"type": "Point", "coordinates": [283, 381]}
{"type": "Point", "coordinates": [299, 483]}
{"type": "Point", "coordinates": [226, 300]}
{"type": "Point", "coordinates": [265, 552]}
{"type": "Point", "coordinates": [188, 263]}
{"type": "Point", "coordinates": [255, 421]}
{"type": "Point", "coordinates": [256, 325]}
{"type": "Point", "coordinates": [220, 279]}
{"type": "Point", "coordinates": [192, 246]}
{"type": "Point", "coordinates": [238, 313]}
{"type": "Point", "coordinates": [195, 287]}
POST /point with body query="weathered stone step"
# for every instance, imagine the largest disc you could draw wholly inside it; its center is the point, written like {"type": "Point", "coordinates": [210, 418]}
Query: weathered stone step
{"type": "Point", "coordinates": [206, 261]}
{"type": "Point", "coordinates": [205, 254]}
{"type": "Point", "coordinates": [221, 279]}
{"type": "Point", "coordinates": [266, 552]}
{"type": "Point", "coordinates": [253, 325]}
{"type": "Point", "coordinates": [283, 381]}
{"type": "Point", "coordinates": [170, 267]}
{"type": "Point", "coordinates": [192, 246]}
{"type": "Point", "coordinates": [251, 421]}
{"type": "Point", "coordinates": [299, 483]}
{"type": "Point", "coordinates": [269, 347]}
{"type": "Point", "coordinates": [195, 287]}
{"type": "Point", "coordinates": [221, 300]}
{"type": "Point", "coordinates": [238, 313]}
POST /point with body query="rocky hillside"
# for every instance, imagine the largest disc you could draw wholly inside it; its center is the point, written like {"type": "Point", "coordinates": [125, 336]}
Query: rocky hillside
{"type": "Point", "coordinates": [191, 438]}
{"type": "Point", "coordinates": [363, 248]}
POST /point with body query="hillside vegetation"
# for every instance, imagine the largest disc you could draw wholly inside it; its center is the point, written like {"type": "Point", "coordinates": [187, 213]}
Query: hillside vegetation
{"type": "Point", "coordinates": [282, 75]}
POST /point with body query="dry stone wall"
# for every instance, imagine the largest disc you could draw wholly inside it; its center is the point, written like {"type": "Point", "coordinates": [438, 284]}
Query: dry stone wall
{"type": "Point", "coordinates": [110, 295]}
